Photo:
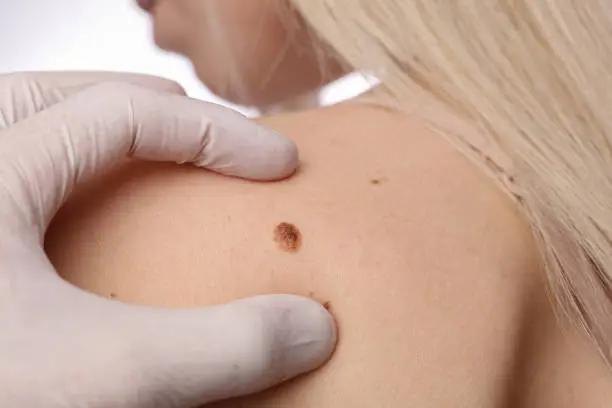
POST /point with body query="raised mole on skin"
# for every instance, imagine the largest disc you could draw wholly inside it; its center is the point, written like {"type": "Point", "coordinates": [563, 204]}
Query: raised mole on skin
{"type": "Point", "coordinates": [288, 237]}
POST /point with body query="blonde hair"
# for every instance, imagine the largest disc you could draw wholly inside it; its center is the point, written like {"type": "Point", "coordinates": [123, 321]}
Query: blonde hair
{"type": "Point", "coordinates": [535, 75]}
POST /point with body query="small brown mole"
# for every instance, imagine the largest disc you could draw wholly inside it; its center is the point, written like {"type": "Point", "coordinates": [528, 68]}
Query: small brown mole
{"type": "Point", "coordinates": [378, 180]}
{"type": "Point", "coordinates": [113, 295]}
{"type": "Point", "coordinates": [288, 237]}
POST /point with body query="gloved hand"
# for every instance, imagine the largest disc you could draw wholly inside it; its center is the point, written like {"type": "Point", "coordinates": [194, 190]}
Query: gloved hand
{"type": "Point", "coordinates": [61, 347]}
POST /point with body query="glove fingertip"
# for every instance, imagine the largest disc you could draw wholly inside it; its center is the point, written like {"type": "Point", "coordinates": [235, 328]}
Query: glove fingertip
{"type": "Point", "coordinates": [304, 330]}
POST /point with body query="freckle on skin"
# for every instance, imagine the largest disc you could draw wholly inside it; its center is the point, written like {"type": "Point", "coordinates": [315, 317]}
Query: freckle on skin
{"type": "Point", "coordinates": [378, 180]}
{"type": "Point", "coordinates": [288, 237]}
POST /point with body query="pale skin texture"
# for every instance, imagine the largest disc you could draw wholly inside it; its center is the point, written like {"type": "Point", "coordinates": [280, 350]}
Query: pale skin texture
{"type": "Point", "coordinates": [431, 273]}
{"type": "Point", "coordinates": [427, 265]}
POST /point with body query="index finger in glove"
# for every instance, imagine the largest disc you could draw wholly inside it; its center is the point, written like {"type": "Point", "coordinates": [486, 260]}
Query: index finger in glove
{"type": "Point", "coordinates": [44, 157]}
{"type": "Point", "coordinates": [24, 94]}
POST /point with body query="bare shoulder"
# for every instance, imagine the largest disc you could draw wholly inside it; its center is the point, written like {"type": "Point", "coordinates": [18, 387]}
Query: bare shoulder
{"type": "Point", "coordinates": [424, 262]}
{"type": "Point", "coordinates": [445, 265]}
{"type": "Point", "coordinates": [443, 202]}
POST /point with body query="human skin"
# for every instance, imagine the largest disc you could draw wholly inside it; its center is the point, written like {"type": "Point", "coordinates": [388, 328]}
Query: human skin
{"type": "Point", "coordinates": [257, 53]}
{"type": "Point", "coordinates": [428, 267]}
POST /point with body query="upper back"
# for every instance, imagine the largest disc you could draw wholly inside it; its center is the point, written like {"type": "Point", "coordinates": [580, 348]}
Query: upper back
{"type": "Point", "coordinates": [427, 266]}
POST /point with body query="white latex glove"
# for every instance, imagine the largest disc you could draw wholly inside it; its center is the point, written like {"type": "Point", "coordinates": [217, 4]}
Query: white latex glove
{"type": "Point", "coordinates": [61, 347]}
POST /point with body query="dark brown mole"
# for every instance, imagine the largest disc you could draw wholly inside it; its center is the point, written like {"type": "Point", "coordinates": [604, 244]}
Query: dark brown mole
{"type": "Point", "coordinates": [288, 237]}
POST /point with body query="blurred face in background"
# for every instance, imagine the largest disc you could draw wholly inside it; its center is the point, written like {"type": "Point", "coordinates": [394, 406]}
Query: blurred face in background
{"type": "Point", "coordinates": [251, 52]}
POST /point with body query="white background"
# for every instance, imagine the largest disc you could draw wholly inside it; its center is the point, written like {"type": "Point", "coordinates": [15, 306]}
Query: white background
{"type": "Point", "coordinates": [99, 35]}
